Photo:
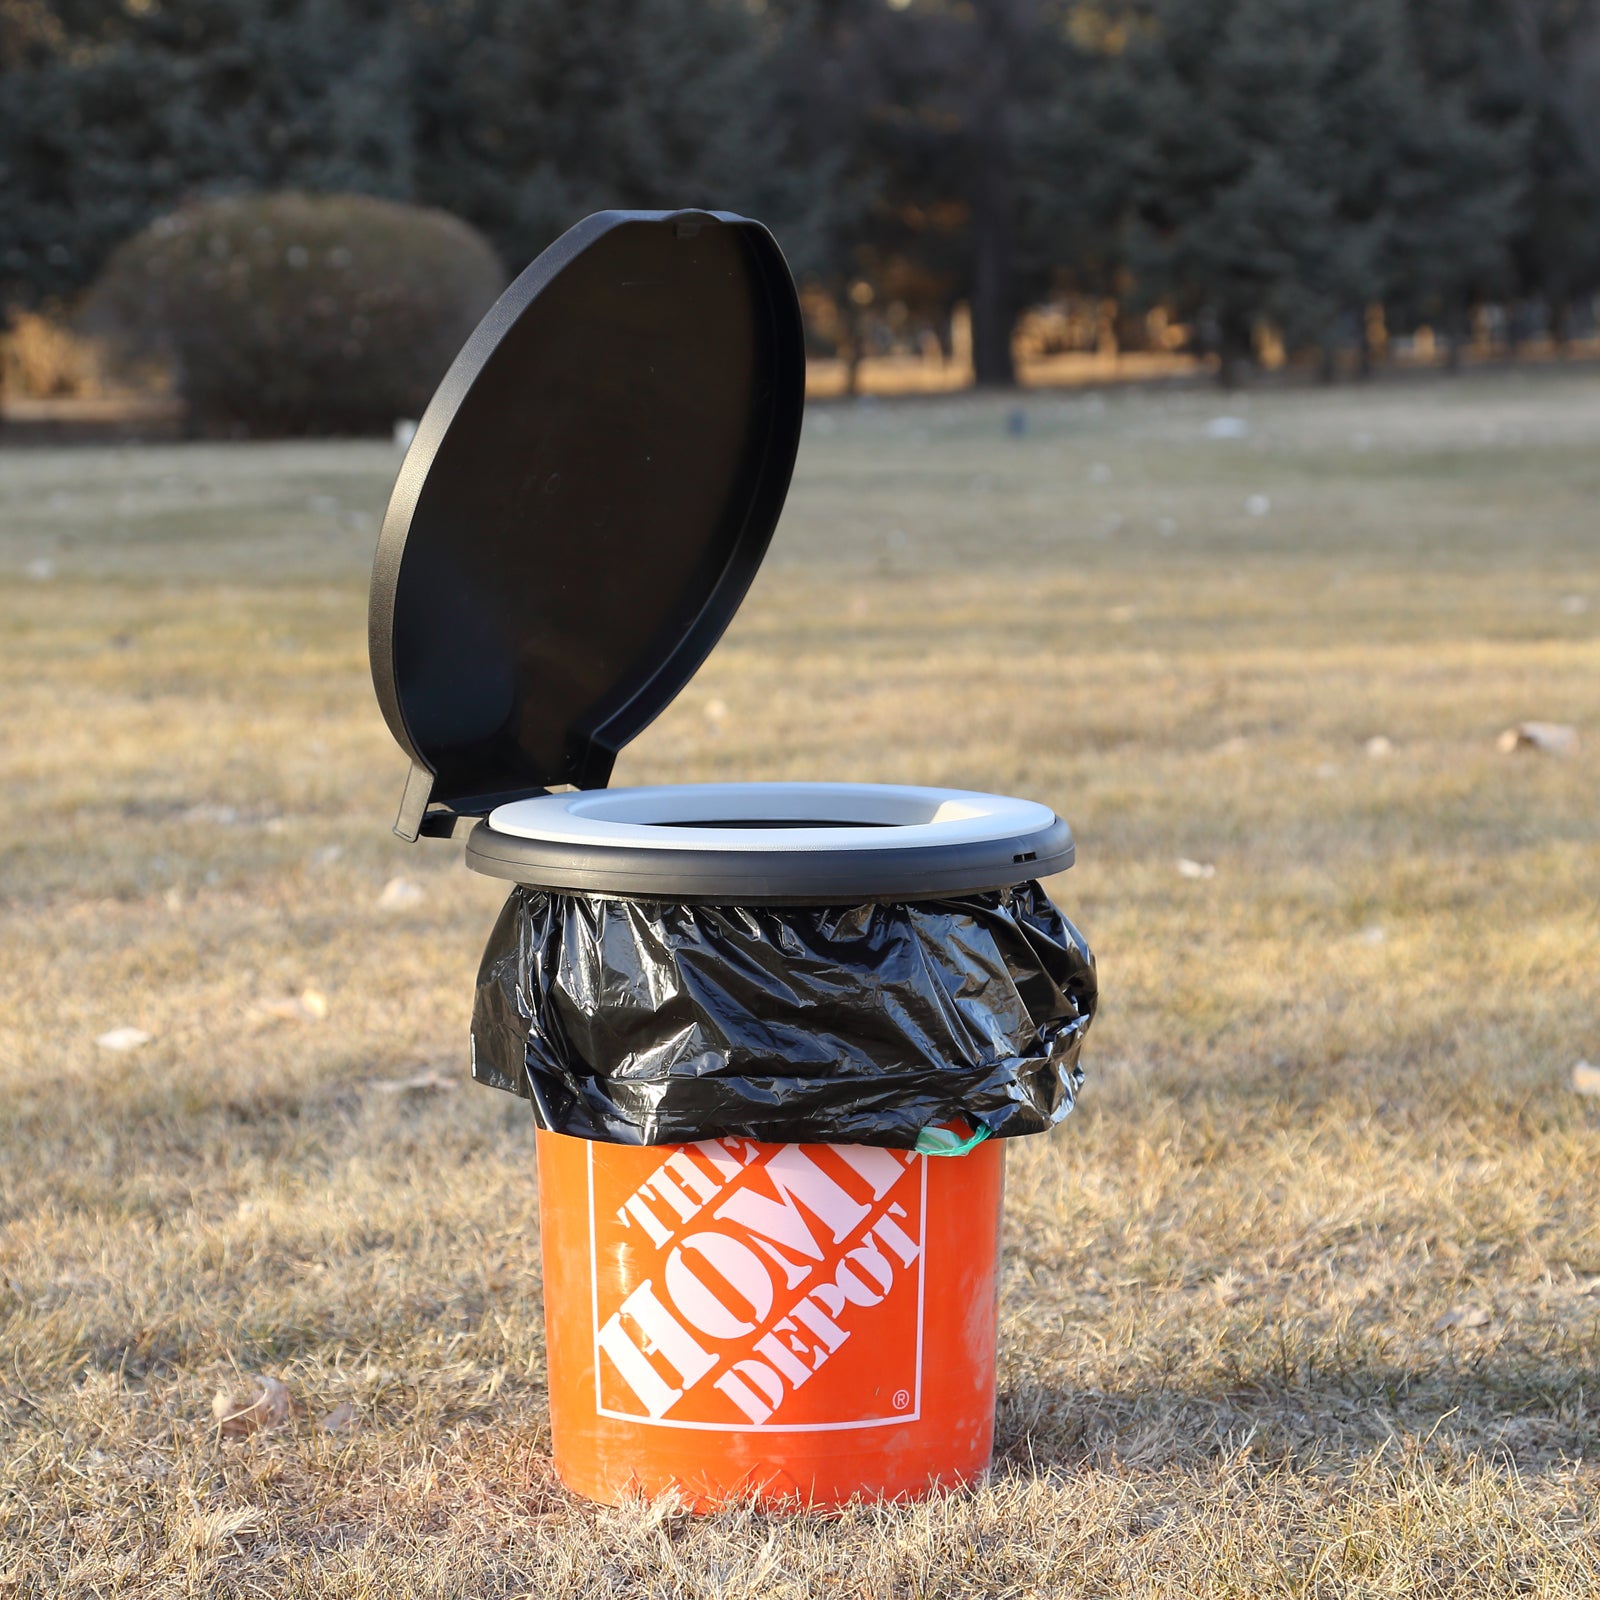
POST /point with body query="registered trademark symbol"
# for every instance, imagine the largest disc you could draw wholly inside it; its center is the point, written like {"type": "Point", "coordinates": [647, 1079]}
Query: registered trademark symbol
{"type": "Point", "coordinates": [901, 1399]}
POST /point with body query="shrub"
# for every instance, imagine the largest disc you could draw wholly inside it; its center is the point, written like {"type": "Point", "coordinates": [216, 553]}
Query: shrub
{"type": "Point", "coordinates": [296, 313]}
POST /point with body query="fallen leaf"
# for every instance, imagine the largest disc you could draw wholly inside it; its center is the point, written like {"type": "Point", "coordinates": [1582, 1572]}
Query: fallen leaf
{"type": "Point", "coordinates": [1550, 738]}
{"type": "Point", "coordinates": [1195, 869]}
{"type": "Point", "coordinates": [340, 1420]}
{"type": "Point", "coordinates": [1378, 747]}
{"type": "Point", "coordinates": [399, 893]}
{"type": "Point", "coordinates": [123, 1039]}
{"type": "Point", "coordinates": [1464, 1317]}
{"type": "Point", "coordinates": [421, 1083]}
{"type": "Point", "coordinates": [1586, 1078]}
{"type": "Point", "coordinates": [261, 1403]}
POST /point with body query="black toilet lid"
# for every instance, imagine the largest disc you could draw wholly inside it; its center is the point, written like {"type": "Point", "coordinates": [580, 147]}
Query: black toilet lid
{"type": "Point", "coordinates": [586, 501]}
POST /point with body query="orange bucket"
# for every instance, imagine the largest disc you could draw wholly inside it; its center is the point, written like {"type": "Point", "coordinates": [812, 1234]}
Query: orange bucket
{"type": "Point", "coordinates": [801, 1323]}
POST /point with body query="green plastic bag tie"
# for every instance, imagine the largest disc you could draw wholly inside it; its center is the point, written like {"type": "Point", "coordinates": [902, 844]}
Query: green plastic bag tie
{"type": "Point", "coordinates": [935, 1141]}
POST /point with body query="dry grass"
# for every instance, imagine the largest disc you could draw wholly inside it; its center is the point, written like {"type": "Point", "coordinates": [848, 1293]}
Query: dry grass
{"type": "Point", "coordinates": [1328, 1098]}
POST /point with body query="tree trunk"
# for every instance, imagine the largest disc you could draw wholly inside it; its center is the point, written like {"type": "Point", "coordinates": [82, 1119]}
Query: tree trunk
{"type": "Point", "coordinates": [1561, 324]}
{"type": "Point", "coordinates": [1233, 351]}
{"type": "Point", "coordinates": [992, 362]}
{"type": "Point", "coordinates": [1373, 320]}
{"type": "Point", "coordinates": [1454, 337]}
{"type": "Point", "coordinates": [858, 348]}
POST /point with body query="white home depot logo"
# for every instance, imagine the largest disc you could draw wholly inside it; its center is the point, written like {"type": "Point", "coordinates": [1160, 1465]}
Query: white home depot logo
{"type": "Point", "coordinates": [748, 1286]}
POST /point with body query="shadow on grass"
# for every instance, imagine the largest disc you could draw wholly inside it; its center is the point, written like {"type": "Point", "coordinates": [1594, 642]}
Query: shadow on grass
{"type": "Point", "coordinates": [1502, 1407]}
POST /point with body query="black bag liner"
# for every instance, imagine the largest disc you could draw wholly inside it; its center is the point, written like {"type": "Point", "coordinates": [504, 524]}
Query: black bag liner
{"type": "Point", "coordinates": [635, 1022]}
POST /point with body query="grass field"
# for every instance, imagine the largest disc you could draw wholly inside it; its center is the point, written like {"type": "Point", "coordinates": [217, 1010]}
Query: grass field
{"type": "Point", "coordinates": [1303, 1300]}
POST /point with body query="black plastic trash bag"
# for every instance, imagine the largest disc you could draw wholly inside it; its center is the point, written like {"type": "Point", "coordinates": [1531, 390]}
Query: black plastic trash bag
{"type": "Point", "coordinates": [653, 1023]}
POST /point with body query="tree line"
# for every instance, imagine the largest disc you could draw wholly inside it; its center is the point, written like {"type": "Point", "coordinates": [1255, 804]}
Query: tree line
{"type": "Point", "coordinates": [1324, 169]}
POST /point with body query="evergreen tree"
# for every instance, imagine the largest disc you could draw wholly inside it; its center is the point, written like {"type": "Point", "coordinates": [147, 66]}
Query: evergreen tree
{"type": "Point", "coordinates": [113, 115]}
{"type": "Point", "coordinates": [1285, 161]}
{"type": "Point", "coordinates": [1234, 189]}
{"type": "Point", "coordinates": [532, 113]}
{"type": "Point", "coordinates": [830, 90]}
{"type": "Point", "coordinates": [1238, 160]}
{"type": "Point", "coordinates": [519, 115]}
{"type": "Point", "coordinates": [1529, 72]}
{"type": "Point", "coordinates": [958, 119]}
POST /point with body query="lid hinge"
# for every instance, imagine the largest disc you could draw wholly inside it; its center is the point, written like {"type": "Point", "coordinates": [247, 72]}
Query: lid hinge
{"type": "Point", "coordinates": [440, 822]}
{"type": "Point", "coordinates": [419, 819]}
{"type": "Point", "coordinates": [414, 804]}
{"type": "Point", "coordinates": [593, 764]}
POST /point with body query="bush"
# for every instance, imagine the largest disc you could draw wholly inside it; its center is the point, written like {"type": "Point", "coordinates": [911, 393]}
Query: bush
{"type": "Point", "coordinates": [295, 313]}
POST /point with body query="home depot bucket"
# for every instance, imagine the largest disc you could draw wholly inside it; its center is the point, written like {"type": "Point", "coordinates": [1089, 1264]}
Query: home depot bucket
{"type": "Point", "coordinates": [801, 1323]}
